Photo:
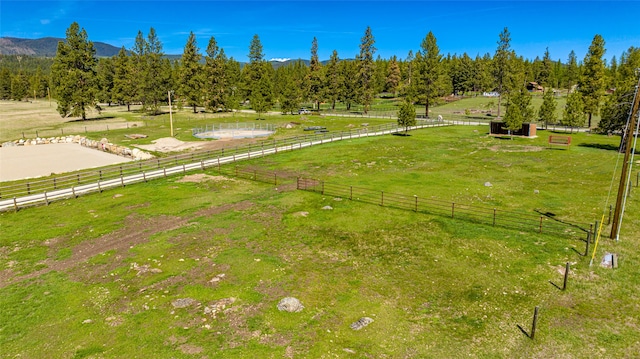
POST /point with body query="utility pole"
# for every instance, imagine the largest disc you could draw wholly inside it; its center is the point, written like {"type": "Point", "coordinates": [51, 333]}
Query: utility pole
{"type": "Point", "coordinates": [170, 113]}
{"type": "Point", "coordinates": [622, 188]}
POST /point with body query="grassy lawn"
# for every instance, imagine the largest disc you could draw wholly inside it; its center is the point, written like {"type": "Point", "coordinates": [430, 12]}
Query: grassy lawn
{"type": "Point", "coordinates": [101, 274]}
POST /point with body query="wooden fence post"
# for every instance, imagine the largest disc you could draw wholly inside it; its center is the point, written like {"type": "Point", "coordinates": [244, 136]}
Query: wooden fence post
{"type": "Point", "coordinates": [453, 207]}
{"type": "Point", "coordinates": [533, 324]}
{"type": "Point", "coordinates": [416, 207]}
{"type": "Point", "coordinates": [566, 275]}
{"type": "Point", "coordinates": [382, 198]}
{"type": "Point", "coordinates": [494, 216]}
{"type": "Point", "coordinates": [15, 203]}
{"type": "Point", "coordinates": [540, 230]}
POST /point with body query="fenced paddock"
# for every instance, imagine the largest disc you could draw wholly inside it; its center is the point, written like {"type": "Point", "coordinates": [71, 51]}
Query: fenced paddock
{"type": "Point", "coordinates": [234, 130]}
{"type": "Point", "coordinates": [24, 193]}
{"type": "Point", "coordinates": [484, 215]}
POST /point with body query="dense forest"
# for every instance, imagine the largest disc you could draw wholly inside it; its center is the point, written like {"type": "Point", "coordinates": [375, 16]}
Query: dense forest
{"type": "Point", "coordinates": [208, 78]}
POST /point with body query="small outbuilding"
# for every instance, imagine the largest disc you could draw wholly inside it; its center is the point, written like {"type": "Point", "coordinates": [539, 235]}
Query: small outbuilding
{"type": "Point", "coordinates": [527, 130]}
{"type": "Point", "coordinates": [534, 87]}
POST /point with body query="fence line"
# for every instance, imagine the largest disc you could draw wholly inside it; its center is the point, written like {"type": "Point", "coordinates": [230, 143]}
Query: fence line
{"type": "Point", "coordinates": [477, 214]}
{"type": "Point", "coordinates": [19, 194]}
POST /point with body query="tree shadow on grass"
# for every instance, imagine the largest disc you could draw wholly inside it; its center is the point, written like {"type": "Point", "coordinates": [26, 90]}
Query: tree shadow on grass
{"type": "Point", "coordinates": [552, 216]}
{"type": "Point", "coordinates": [600, 146]}
{"type": "Point", "coordinates": [89, 119]}
{"type": "Point", "coordinates": [402, 134]}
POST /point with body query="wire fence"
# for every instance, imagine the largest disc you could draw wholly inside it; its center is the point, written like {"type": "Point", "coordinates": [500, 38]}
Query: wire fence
{"type": "Point", "coordinates": [23, 193]}
{"type": "Point", "coordinates": [477, 214]}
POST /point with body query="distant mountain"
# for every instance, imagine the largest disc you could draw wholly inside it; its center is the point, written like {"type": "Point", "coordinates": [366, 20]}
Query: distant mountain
{"type": "Point", "coordinates": [46, 47]}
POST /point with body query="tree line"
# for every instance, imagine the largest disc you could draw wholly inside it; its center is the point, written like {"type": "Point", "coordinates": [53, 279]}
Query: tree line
{"type": "Point", "coordinates": [144, 75]}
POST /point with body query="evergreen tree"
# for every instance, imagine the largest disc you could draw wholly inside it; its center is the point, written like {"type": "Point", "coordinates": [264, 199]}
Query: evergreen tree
{"type": "Point", "coordinates": [314, 80]}
{"type": "Point", "coordinates": [5, 84]}
{"type": "Point", "coordinates": [482, 78]}
{"type": "Point", "coordinates": [138, 68]}
{"type": "Point", "coordinates": [617, 108]}
{"type": "Point", "coordinates": [592, 80]}
{"type": "Point", "coordinates": [332, 80]}
{"type": "Point", "coordinates": [74, 73]}
{"type": "Point", "coordinates": [502, 64]}
{"type": "Point", "coordinates": [406, 115]}
{"type": "Point", "coordinates": [39, 84]}
{"type": "Point", "coordinates": [519, 109]}
{"type": "Point", "coordinates": [19, 86]}
{"type": "Point", "coordinates": [547, 111]}
{"type": "Point", "coordinates": [407, 73]}
{"type": "Point", "coordinates": [573, 72]}
{"type": "Point", "coordinates": [259, 85]}
{"type": "Point", "coordinates": [190, 80]}
{"type": "Point", "coordinates": [288, 83]}
{"type": "Point", "coordinates": [124, 87]}
{"type": "Point", "coordinates": [233, 75]}
{"type": "Point", "coordinates": [349, 84]}
{"type": "Point", "coordinates": [366, 70]}
{"type": "Point", "coordinates": [105, 71]}
{"type": "Point", "coordinates": [430, 69]}
{"type": "Point", "coordinates": [393, 76]}
{"type": "Point", "coordinates": [156, 75]}
{"type": "Point", "coordinates": [574, 111]}
{"type": "Point", "coordinates": [380, 74]}
{"type": "Point", "coordinates": [216, 84]}
{"type": "Point", "coordinates": [546, 70]}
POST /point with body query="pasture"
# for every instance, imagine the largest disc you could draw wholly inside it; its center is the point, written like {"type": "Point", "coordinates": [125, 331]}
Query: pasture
{"type": "Point", "coordinates": [195, 265]}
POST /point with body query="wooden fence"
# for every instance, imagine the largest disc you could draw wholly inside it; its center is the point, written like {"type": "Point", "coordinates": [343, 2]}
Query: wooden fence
{"type": "Point", "coordinates": [489, 216]}
{"type": "Point", "coordinates": [19, 194]}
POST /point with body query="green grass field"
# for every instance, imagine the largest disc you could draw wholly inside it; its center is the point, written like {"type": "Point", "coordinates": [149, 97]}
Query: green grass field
{"type": "Point", "coordinates": [101, 274]}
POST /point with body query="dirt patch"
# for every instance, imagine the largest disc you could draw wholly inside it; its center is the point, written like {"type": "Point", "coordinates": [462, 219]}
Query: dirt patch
{"type": "Point", "coordinates": [190, 349]}
{"type": "Point", "coordinates": [136, 230]}
{"type": "Point", "coordinates": [201, 177]}
{"type": "Point", "coordinates": [170, 144]}
{"type": "Point", "coordinates": [508, 148]}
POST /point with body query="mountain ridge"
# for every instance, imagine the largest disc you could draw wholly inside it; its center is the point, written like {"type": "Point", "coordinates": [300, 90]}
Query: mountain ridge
{"type": "Point", "coordinates": [46, 47]}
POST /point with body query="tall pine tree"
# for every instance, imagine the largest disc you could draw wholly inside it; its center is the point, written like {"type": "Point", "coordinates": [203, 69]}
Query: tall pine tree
{"type": "Point", "coordinates": [502, 64]}
{"type": "Point", "coordinates": [366, 69]}
{"type": "Point", "coordinates": [190, 80]}
{"type": "Point", "coordinates": [592, 81]}
{"type": "Point", "coordinates": [430, 69]}
{"type": "Point", "coordinates": [74, 73]}
{"type": "Point", "coordinates": [314, 79]}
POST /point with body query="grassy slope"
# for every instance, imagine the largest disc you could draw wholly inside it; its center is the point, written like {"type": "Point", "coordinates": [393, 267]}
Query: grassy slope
{"type": "Point", "coordinates": [436, 287]}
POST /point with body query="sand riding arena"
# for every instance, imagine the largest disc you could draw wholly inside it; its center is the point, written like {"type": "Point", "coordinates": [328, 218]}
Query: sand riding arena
{"type": "Point", "coordinates": [221, 131]}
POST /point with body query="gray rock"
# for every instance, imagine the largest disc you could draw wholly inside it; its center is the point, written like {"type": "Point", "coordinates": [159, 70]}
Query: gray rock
{"type": "Point", "coordinates": [361, 323]}
{"type": "Point", "coordinates": [183, 302]}
{"type": "Point", "coordinates": [488, 184]}
{"type": "Point", "coordinates": [327, 208]}
{"type": "Point", "coordinates": [290, 304]}
{"type": "Point", "coordinates": [535, 191]}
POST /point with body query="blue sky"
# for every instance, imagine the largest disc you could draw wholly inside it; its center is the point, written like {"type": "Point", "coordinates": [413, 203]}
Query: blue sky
{"type": "Point", "coordinates": [286, 28]}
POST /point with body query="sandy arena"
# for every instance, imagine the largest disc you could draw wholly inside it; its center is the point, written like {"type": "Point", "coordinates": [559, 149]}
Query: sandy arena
{"type": "Point", "coordinates": [42, 160]}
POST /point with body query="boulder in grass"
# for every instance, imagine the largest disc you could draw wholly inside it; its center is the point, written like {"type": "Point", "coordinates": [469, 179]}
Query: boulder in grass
{"type": "Point", "coordinates": [361, 323]}
{"type": "Point", "coordinates": [290, 304]}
